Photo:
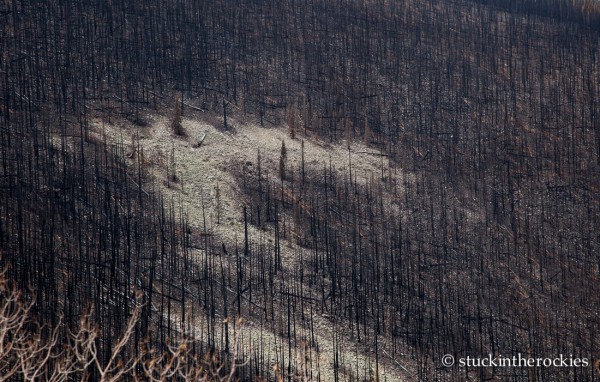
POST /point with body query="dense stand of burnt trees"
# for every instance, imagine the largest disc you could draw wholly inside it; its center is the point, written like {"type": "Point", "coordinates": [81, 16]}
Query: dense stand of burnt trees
{"type": "Point", "coordinates": [437, 268]}
{"type": "Point", "coordinates": [490, 108]}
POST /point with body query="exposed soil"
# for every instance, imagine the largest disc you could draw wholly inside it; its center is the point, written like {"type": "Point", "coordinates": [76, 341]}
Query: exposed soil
{"type": "Point", "coordinates": [189, 175]}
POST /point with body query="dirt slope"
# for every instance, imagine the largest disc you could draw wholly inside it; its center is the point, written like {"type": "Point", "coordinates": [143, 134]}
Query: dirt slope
{"type": "Point", "coordinates": [200, 170]}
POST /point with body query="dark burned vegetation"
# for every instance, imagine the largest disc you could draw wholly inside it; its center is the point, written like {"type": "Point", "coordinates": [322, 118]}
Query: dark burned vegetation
{"type": "Point", "coordinates": [479, 234]}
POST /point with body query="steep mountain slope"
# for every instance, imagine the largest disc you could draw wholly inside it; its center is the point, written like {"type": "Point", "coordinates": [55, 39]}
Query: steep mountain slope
{"type": "Point", "coordinates": [438, 193]}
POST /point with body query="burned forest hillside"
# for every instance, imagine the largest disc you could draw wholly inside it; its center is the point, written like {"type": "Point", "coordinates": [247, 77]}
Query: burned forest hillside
{"type": "Point", "coordinates": [307, 190]}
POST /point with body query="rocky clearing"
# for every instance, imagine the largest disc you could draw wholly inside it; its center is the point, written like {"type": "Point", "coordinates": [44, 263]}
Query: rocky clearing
{"type": "Point", "coordinates": [206, 187]}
